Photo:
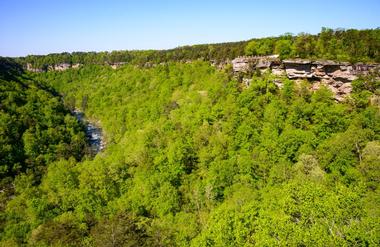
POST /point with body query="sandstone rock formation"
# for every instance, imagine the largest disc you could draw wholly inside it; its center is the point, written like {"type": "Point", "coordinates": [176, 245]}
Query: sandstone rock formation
{"type": "Point", "coordinates": [76, 65]}
{"type": "Point", "coordinates": [61, 67]}
{"type": "Point", "coordinates": [55, 67]}
{"type": "Point", "coordinates": [248, 63]}
{"type": "Point", "coordinates": [335, 75]}
{"type": "Point", "coordinates": [29, 67]}
{"type": "Point", "coordinates": [116, 65]}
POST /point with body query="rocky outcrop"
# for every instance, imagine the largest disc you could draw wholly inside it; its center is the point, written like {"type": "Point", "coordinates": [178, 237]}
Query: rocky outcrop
{"type": "Point", "coordinates": [30, 68]}
{"type": "Point", "coordinates": [54, 67]}
{"type": "Point", "coordinates": [249, 63]}
{"type": "Point", "coordinates": [296, 69]}
{"type": "Point", "coordinates": [326, 70]}
{"type": "Point", "coordinates": [76, 65]}
{"type": "Point", "coordinates": [335, 75]}
{"type": "Point", "coordinates": [116, 65]}
{"type": "Point", "coordinates": [60, 67]}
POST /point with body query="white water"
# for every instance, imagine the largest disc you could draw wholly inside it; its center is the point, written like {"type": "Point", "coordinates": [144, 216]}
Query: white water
{"type": "Point", "coordinates": [94, 133]}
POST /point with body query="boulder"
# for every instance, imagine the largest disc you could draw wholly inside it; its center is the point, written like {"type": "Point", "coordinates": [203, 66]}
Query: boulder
{"type": "Point", "coordinates": [345, 76]}
{"type": "Point", "coordinates": [345, 89]}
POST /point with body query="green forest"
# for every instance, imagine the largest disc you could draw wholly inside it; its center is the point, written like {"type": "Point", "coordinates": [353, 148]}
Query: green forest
{"type": "Point", "coordinates": [337, 44]}
{"type": "Point", "coordinates": [192, 158]}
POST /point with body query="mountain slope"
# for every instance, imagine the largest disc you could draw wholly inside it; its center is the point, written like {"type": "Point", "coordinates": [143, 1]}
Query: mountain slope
{"type": "Point", "coordinates": [194, 160]}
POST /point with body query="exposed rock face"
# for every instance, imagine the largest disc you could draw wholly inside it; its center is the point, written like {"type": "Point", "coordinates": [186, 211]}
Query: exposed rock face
{"type": "Point", "coordinates": [29, 67]}
{"type": "Point", "coordinates": [335, 75]}
{"type": "Point", "coordinates": [76, 65]}
{"type": "Point", "coordinates": [61, 67]}
{"type": "Point", "coordinates": [55, 67]}
{"type": "Point", "coordinates": [296, 69]}
{"type": "Point", "coordinates": [247, 63]}
{"type": "Point", "coordinates": [116, 65]}
{"type": "Point", "coordinates": [242, 64]}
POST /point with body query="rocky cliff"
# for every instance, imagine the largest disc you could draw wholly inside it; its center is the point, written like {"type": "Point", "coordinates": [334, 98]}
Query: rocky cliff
{"type": "Point", "coordinates": [116, 64]}
{"type": "Point", "coordinates": [65, 66]}
{"type": "Point", "coordinates": [335, 75]}
{"type": "Point", "coordinates": [55, 67]}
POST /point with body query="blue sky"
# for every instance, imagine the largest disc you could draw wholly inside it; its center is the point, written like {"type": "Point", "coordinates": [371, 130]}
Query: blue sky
{"type": "Point", "coordinates": [47, 26]}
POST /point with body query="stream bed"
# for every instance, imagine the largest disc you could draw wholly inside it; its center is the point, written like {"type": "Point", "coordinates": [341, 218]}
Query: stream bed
{"type": "Point", "coordinates": [94, 133]}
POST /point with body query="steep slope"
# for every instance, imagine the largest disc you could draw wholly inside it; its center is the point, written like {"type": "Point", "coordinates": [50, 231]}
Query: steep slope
{"type": "Point", "coordinates": [35, 130]}
{"type": "Point", "coordinates": [193, 160]}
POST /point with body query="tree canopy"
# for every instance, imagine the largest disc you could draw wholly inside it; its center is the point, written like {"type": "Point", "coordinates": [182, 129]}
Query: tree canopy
{"type": "Point", "coordinates": [191, 160]}
{"type": "Point", "coordinates": [344, 45]}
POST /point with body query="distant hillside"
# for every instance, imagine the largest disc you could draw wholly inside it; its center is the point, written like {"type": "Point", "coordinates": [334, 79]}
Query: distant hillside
{"type": "Point", "coordinates": [339, 44]}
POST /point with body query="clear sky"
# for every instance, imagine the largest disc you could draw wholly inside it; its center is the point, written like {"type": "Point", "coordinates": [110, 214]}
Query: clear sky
{"type": "Point", "coordinates": [47, 26]}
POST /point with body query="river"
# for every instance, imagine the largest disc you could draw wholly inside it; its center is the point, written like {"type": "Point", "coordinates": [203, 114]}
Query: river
{"type": "Point", "coordinates": [94, 133]}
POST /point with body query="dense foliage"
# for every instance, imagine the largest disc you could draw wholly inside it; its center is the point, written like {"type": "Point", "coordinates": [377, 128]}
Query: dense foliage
{"type": "Point", "coordinates": [35, 130]}
{"type": "Point", "coordinates": [217, 52]}
{"type": "Point", "coordinates": [192, 159]}
{"type": "Point", "coordinates": [345, 45]}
